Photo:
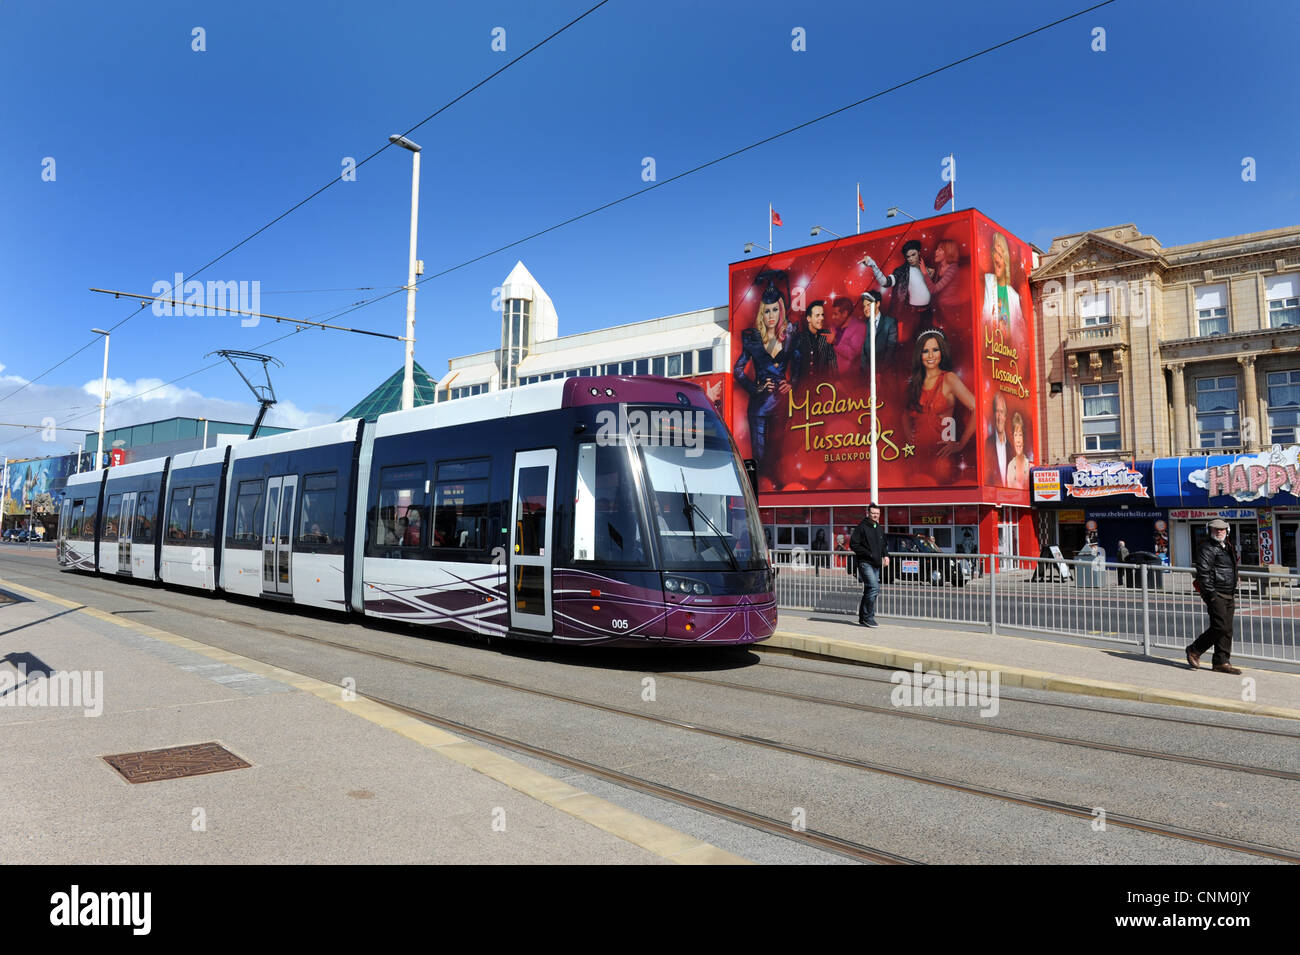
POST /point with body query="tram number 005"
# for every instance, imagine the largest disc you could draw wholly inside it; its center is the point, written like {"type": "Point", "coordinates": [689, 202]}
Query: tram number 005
{"type": "Point", "coordinates": [619, 624]}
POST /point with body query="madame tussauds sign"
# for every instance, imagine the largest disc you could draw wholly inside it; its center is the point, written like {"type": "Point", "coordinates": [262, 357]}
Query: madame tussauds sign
{"type": "Point", "coordinates": [1103, 480]}
{"type": "Point", "coordinates": [1256, 476]}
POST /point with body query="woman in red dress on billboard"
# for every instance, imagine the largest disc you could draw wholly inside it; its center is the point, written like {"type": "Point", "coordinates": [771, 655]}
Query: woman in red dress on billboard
{"type": "Point", "coordinates": [933, 392]}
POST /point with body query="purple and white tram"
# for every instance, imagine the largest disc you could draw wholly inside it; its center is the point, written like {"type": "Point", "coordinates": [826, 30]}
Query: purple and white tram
{"type": "Point", "coordinates": [603, 510]}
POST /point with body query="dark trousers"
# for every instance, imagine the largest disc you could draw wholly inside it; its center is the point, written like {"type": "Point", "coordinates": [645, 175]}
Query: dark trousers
{"type": "Point", "coordinates": [870, 577]}
{"type": "Point", "coordinates": [1219, 634]}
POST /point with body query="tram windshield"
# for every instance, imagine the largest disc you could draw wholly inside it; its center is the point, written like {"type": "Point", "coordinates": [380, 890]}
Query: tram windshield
{"type": "Point", "coordinates": [700, 504]}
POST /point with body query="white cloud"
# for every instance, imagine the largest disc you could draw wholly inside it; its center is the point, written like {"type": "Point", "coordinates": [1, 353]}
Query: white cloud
{"type": "Point", "coordinates": [130, 402]}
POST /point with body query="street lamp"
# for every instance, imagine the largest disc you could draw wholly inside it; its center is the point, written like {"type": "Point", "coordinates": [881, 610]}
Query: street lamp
{"type": "Point", "coordinates": [818, 229]}
{"type": "Point", "coordinates": [894, 210]}
{"type": "Point", "coordinates": [103, 399]}
{"type": "Point", "coordinates": [749, 247]}
{"type": "Point", "coordinates": [408, 378]}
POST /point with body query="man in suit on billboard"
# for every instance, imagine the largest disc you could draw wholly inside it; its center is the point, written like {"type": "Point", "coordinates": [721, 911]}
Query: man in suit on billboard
{"type": "Point", "coordinates": [996, 448]}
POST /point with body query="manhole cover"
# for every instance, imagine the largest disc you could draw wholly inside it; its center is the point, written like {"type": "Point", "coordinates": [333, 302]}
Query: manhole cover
{"type": "Point", "coordinates": [153, 765]}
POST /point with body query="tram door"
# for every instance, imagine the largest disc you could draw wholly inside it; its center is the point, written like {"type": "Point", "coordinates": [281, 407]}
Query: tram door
{"type": "Point", "coordinates": [125, 529]}
{"type": "Point", "coordinates": [530, 540]}
{"type": "Point", "coordinates": [277, 535]}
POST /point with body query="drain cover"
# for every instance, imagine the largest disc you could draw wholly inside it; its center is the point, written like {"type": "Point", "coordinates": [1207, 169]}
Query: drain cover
{"type": "Point", "coordinates": [152, 765]}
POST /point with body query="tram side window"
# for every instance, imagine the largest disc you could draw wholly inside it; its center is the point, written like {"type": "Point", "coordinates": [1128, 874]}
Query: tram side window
{"type": "Point", "coordinates": [88, 522]}
{"type": "Point", "coordinates": [178, 516]}
{"type": "Point", "coordinates": [607, 528]}
{"type": "Point", "coordinates": [144, 516]}
{"type": "Point", "coordinates": [460, 504]}
{"type": "Point", "coordinates": [111, 517]}
{"type": "Point", "coordinates": [248, 513]}
{"type": "Point", "coordinates": [397, 523]}
{"type": "Point", "coordinates": [203, 514]}
{"type": "Point", "coordinates": [78, 513]}
{"type": "Point", "coordinates": [316, 525]}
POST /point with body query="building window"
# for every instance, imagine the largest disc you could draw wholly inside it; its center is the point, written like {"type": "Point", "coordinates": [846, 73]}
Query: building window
{"type": "Point", "coordinates": [643, 366]}
{"type": "Point", "coordinates": [657, 366]}
{"type": "Point", "coordinates": [515, 338]}
{"type": "Point", "coordinates": [1094, 309]}
{"type": "Point", "coordinates": [1101, 416]}
{"type": "Point", "coordinates": [1212, 310]}
{"type": "Point", "coordinates": [704, 361]}
{"type": "Point", "coordinates": [674, 366]}
{"type": "Point", "coordinates": [1284, 407]}
{"type": "Point", "coordinates": [1283, 293]}
{"type": "Point", "coordinates": [1216, 412]}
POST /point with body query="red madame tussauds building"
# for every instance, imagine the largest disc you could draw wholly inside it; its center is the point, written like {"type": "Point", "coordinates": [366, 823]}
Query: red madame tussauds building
{"type": "Point", "coordinates": [955, 383]}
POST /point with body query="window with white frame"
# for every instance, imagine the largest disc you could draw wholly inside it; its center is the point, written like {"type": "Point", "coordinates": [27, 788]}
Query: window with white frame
{"type": "Point", "coordinates": [1212, 310]}
{"type": "Point", "coordinates": [1216, 412]}
{"type": "Point", "coordinates": [1101, 416]}
{"type": "Point", "coordinates": [1284, 407]}
{"type": "Point", "coordinates": [1283, 294]}
{"type": "Point", "coordinates": [1094, 309]}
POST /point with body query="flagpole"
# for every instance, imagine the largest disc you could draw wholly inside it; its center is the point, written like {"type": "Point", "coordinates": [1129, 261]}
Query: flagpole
{"type": "Point", "coordinates": [953, 166]}
{"type": "Point", "coordinates": [769, 227]}
{"type": "Point", "coordinates": [858, 210]}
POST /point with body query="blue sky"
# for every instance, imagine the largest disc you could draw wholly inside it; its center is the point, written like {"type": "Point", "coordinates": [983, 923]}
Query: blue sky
{"type": "Point", "coordinates": [165, 157]}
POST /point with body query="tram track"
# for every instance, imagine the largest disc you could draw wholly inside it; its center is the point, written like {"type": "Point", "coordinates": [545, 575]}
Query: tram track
{"type": "Point", "coordinates": [1079, 707]}
{"type": "Point", "coordinates": [766, 823]}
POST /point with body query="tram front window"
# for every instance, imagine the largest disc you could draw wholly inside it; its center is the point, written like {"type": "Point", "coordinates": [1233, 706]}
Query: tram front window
{"type": "Point", "coordinates": [699, 506]}
{"type": "Point", "coordinates": [608, 528]}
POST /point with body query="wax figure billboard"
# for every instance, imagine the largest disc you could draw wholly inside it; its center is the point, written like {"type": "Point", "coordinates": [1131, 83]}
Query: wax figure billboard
{"type": "Point", "coordinates": [954, 361]}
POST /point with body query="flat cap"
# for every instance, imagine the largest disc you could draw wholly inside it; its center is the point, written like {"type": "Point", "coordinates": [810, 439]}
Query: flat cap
{"type": "Point", "coordinates": [1220, 525]}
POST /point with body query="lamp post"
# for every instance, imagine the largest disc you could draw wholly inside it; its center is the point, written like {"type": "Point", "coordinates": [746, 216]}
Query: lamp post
{"type": "Point", "coordinates": [894, 211]}
{"type": "Point", "coordinates": [408, 377]}
{"type": "Point", "coordinates": [875, 433]}
{"type": "Point", "coordinates": [103, 399]}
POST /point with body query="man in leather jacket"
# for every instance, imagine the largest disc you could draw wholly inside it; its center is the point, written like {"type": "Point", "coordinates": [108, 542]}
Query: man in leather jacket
{"type": "Point", "coordinates": [868, 544]}
{"type": "Point", "coordinates": [1216, 578]}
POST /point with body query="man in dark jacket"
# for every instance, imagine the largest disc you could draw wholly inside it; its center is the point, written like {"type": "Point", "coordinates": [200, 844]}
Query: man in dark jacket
{"type": "Point", "coordinates": [1216, 578]}
{"type": "Point", "coordinates": [868, 543]}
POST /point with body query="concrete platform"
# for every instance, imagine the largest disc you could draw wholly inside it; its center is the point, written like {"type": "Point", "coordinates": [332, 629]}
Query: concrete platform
{"type": "Point", "coordinates": [1042, 664]}
{"type": "Point", "coordinates": [332, 779]}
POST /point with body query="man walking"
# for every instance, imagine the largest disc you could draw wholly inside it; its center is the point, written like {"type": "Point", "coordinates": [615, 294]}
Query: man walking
{"type": "Point", "coordinates": [868, 543]}
{"type": "Point", "coordinates": [1216, 578]}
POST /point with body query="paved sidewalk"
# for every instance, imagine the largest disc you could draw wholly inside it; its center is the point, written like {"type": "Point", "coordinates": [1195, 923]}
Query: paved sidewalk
{"type": "Point", "coordinates": [330, 780]}
{"type": "Point", "coordinates": [1043, 664]}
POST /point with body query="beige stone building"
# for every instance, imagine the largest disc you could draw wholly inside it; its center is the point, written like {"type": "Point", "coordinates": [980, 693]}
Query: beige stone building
{"type": "Point", "coordinates": [1146, 351]}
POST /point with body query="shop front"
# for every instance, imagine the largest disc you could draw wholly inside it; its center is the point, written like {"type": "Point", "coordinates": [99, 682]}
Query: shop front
{"type": "Point", "coordinates": [1106, 502]}
{"type": "Point", "coordinates": [1257, 494]}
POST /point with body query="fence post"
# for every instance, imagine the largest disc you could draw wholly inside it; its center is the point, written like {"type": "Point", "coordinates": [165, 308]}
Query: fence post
{"type": "Point", "coordinates": [1146, 609]}
{"type": "Point", "coordinates": [993, 596]}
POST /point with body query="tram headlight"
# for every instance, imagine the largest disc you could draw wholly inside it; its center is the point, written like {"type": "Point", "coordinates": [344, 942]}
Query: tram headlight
{"type": "Point", "coordinates": [676, 585]}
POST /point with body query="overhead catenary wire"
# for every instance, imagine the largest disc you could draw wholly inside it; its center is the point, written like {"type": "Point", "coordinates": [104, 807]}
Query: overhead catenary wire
{"type": "Point", "coordinates": [653, 186]}
{"type": "Point", "coordinates": [744, 149]}
{"type": "Point", "coordinates": [298, 205]}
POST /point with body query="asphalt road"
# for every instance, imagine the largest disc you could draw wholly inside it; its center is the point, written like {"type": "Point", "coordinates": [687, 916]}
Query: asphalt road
{"type": "Point", "coordinates": [852, 764]}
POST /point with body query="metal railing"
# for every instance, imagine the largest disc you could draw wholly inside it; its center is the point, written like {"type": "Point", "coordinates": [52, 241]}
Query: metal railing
{"type": "Point", "coordinates": [1143, 605]}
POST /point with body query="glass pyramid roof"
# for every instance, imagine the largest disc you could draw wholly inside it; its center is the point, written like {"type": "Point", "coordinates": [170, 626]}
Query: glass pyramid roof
{"type": "Point", "coordinates": [388, 396]}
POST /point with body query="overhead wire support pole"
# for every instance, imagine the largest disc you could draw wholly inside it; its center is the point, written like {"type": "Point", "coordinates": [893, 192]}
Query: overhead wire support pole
{"type": "Point", "coordinates": [238, 311]}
